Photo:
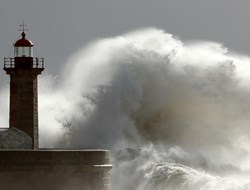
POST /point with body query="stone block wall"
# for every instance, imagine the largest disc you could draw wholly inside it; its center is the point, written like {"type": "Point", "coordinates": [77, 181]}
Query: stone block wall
{"type": "Point", "coordinates": [54, 169]}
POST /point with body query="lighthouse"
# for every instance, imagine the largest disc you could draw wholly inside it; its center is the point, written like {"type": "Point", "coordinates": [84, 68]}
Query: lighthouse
{"type": "Point", "coordinates": [22, 164]}
{"type": "Point", "coordinates": [23, 69]}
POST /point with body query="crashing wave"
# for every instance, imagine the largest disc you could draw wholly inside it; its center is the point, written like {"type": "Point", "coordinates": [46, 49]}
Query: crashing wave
{"type": "Point", "coordinates": [149, 87]}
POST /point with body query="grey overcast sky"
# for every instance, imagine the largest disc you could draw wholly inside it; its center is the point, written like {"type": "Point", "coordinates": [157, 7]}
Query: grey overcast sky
{"type": "Point", "coordinates": [59, 27]}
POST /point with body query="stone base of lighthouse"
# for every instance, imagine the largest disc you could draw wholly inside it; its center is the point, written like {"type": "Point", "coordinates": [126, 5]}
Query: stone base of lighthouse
{"type": "Point", "coordinates": [46, 169]}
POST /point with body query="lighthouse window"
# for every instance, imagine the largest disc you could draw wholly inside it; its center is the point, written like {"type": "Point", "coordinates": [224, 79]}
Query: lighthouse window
{"type": "Point", "coordinates": [30, 51]}
{"type": "Point", "coordinates": [16, 52]}
{"type": "Point", "coordinates": [23, 51]}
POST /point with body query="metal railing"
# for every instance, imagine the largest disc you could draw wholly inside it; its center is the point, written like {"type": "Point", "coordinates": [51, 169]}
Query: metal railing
{"type": "Point", "coordinates": [38, 62]}
{"type": "Point", "coordinates": [9, 62]}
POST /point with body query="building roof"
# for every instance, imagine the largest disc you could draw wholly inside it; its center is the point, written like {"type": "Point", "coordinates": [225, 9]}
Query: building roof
{"type": "Point", "coordinates": [23, 42]}
{"type": "Point", "coordinates": [13, 138]}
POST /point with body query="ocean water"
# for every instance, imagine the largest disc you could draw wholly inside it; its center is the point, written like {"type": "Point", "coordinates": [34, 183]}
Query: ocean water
{"type": "Point", "coordinates": [175, 114]}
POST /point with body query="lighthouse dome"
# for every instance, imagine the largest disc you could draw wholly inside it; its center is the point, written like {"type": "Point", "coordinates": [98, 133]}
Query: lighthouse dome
{"type": "Point", "coordinates": [23, 42]}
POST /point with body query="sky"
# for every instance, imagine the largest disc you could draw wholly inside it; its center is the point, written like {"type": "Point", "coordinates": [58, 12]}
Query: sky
{"type": "Point", "coordinates": [58, 28]}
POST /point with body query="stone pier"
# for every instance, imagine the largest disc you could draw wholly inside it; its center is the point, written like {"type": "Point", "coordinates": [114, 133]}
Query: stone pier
{"type": "Point", "coordinates": [46, 169]}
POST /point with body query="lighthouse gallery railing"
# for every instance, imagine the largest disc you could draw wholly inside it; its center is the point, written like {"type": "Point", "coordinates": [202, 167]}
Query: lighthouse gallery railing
{"type": "Point", "coordinates": [38, 62]}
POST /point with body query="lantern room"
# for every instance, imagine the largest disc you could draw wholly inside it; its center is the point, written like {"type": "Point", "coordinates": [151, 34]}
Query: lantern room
{"type": "Point", "coordinates": [23, 55]}
{"type": "Point", "coordinates": [23, 47]}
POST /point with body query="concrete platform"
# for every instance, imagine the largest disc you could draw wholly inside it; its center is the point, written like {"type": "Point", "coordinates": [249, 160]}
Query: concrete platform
{"type": "Point", "coordinates": [58, 169]}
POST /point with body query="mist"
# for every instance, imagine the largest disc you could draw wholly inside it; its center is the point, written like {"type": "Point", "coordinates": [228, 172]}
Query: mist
{"type": "Point", "coordinates": [174, 114]}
